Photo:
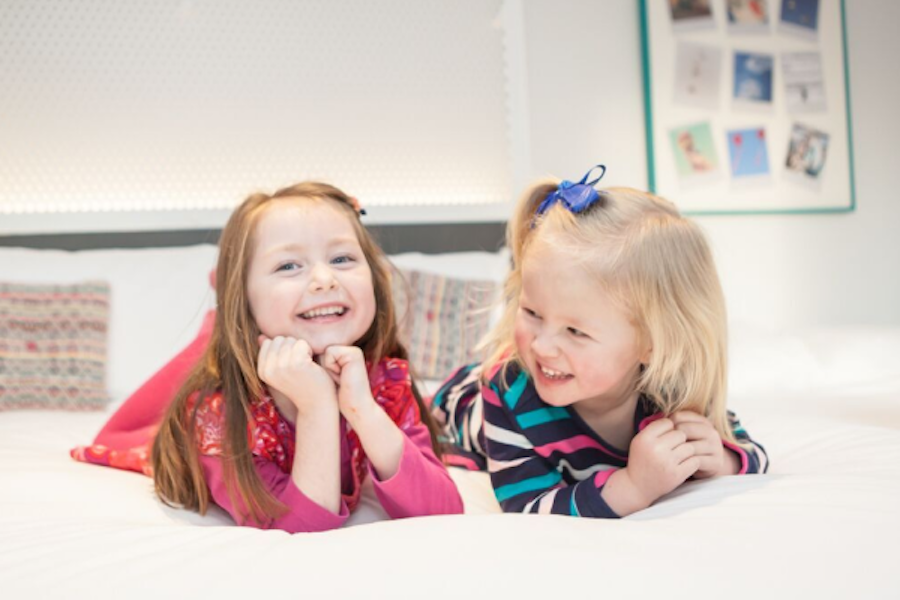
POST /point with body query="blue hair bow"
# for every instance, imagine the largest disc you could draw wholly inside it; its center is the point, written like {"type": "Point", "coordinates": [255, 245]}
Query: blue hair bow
{"type": "Point", "coordinates": [576, 197]}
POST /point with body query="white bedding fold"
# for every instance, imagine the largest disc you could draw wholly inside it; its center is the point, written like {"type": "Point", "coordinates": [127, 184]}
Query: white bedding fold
{"type": "Point", "coordinates": [823, 523]}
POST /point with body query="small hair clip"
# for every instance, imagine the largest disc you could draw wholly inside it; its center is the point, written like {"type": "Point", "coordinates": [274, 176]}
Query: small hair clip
{"type": "Point", "coordinates": [355, 204]}
{"type": "Point", "coordinates": [576, 197]}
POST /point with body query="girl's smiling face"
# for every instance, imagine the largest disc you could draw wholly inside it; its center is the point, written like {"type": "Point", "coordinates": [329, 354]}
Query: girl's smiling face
{"type": "Point", "coordinates": [308, 277]}
{"type": "Point", "coordinates": [577, 344]}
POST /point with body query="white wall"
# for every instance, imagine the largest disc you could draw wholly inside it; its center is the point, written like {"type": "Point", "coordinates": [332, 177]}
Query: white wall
{"type": "Point", "coordinates": [130, 115]}
{"type": "Point", "coordinates": [577, 97]}
{"type": "Point", "coordinates": [779, 271]}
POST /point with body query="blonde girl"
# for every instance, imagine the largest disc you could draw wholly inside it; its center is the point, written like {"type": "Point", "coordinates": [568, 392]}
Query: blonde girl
{"type": "Point", "coordinates": [606, 385]}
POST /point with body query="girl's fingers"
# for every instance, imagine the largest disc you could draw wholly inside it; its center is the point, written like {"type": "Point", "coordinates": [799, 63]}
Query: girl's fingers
{"type": "Point", "coordinates": [683, 452]}
{"type": "Point", "coordinates": [657, 427]}
{"type": "Point", "coordinates": [688, 416]}
{"type": "Point", "coordinates": [263, 358]}
{"type": "Point", "coordinates": [276, 344]}
{"type": "Point", "coordinates": [281, 352]}
{"type": "Point", "coordinates": [688, 467]}
{"type": "Point", "coordinates": [694, 430]}
{"type": "Point", "coordinates": [672, 439]}
{"type": "Point", "coordinates": [702, 435]}
{"type": "Point", "coordinates": [299, 352]}
{"type": "Point", "coordinates": [304, 347]}
{"type": "Point", "coordinates": [707, 447]}
{"type": "Point", "coordinates": [329, 362]}
{"type": "Point", "coordinates": [341, 355]}
{"type": "Point", "coordinates": [336, 359]}
{"type": "Point", "coordinates": [264, 345]}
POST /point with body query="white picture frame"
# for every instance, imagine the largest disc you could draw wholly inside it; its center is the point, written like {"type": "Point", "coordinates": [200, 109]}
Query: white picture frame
{"type": "Point", "coordinates": [791, 91]}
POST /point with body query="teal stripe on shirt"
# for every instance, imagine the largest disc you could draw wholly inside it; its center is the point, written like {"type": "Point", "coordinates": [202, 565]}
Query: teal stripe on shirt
{"type": "Point", "coordinates": [512, 395]}
{"type": "Point", "coordinates": [541, 416]}
{"type": "Point", "coordinates": [438, 399]}
{"type": "Point", "coordinates": [527, 485]}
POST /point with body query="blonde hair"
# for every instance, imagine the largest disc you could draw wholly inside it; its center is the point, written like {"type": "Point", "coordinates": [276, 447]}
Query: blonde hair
{"type": "Point", "coordinates": [229, 362]}
{"type": "Point", "coordinates": [658, 268]}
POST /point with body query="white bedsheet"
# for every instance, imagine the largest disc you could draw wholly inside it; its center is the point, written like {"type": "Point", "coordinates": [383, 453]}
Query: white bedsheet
{"type": "Point", "coordinates": [823, 523]}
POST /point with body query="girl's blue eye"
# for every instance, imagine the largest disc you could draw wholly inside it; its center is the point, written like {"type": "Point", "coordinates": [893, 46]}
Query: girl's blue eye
{"type": "Point", "coordinates": [342, 260]}
{"type": "Point", "coordinates": [288, 267]}
{"type": "Point", "coordinates": [577, 333]}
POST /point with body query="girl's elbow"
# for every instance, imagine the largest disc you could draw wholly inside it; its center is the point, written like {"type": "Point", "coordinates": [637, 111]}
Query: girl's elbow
{"type": "Point", "coordinates": [453, 505]}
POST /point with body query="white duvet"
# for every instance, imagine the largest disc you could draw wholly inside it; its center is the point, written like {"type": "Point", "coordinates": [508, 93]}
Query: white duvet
{"type": "Point", "coordinates": [824, 523]}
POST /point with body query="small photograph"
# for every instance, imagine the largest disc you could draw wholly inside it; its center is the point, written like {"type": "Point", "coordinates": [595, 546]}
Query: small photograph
{"type": "Point", "coordinates": [800, 17]}
{"type": "Point", "coordinates": [691, 14]}
{"type": "Point", "coordinates": [804, 87]}
{"type": "Point", "coordinates": [753, 77]}
{"type": "Point", "coordinates": [694, 150]}
{"type": "Point", "coordinates": [748, 153]}
{"type": "Point", "coordinates": [698, 71]}
{"type": "Point", "coordinates": [806, 152]}
{"type": "Point", "coordinates": [748, 16]}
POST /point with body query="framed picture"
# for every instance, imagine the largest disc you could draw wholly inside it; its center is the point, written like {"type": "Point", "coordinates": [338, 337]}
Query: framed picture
{"type": "Point", "coordinates": [748, 105]}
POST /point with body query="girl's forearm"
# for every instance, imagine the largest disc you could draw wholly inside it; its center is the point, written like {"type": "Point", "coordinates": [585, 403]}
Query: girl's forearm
{"type": "Point", "coordinates": [731, 462]}
{"type": "Point", "coordinates": [381, 439]}
{"type": "Point", "coordinates": [317, 458]}
{"type": "Point", "coordinates": [622, 496]}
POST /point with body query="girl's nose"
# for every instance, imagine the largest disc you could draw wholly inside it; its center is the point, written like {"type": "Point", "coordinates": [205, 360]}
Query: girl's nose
{"type": "Point", "coordinates": [322, 278]}
{"type": "Point", "coordinates": [544, 345]}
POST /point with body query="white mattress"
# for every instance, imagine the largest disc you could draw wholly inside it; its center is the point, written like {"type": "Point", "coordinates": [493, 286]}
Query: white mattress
{"type": "Point", "coordinates": [823, 523]}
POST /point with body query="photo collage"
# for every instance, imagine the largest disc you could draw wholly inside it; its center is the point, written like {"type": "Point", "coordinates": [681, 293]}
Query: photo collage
{"type": "Point", "coordinates": [753, 79]}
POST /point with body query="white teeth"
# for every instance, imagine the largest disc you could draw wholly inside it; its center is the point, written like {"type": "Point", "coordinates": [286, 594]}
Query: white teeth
{"type": "Point", "coordinates": [551, 374]}
{"type": "Point", "coordinates": [321, 312]}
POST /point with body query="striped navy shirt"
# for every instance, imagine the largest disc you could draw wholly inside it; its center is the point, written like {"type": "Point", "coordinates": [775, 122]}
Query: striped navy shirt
{"type": "Point", "coordinates": [541, 458]}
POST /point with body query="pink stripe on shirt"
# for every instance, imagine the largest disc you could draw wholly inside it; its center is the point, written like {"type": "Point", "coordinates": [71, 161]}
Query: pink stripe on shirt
{"type": "Point", "coordinates": [741, 453]}
{"type": "Point", "coordinates": [490, 396]}
{"type": "Point", "coordinates": [573, 444]}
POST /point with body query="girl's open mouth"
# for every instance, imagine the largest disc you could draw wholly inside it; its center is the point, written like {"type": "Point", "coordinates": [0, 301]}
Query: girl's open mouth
{"type": "Point", "coordinates": [325, 313]}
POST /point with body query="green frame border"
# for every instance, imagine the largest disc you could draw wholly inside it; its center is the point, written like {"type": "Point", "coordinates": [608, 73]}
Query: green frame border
{"type": "Point", "coordinates": [648, 123]}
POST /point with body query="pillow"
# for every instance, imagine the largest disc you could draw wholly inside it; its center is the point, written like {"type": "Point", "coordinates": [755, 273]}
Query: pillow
{"type": "Point", "coordinates": [491, 266]}
{"type": "Point", "coordinates": [441, 319]}
{"type": "Point", "coordinates": [53, 346]}
{"type": "Point", "coordinates": [158, 297]}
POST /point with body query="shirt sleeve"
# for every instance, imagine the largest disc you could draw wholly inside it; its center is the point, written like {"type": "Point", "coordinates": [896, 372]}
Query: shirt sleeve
{"type": "Point", "coordinates": [524, 481]}
{"type": "Point", "coordinates": [421, 486]}
{"type": "Point", "coordinates": [752, 455]}
{"type": "Point", "coordinates": [302, 515]}
{"type": "Point", "coordinates": [456, 407]}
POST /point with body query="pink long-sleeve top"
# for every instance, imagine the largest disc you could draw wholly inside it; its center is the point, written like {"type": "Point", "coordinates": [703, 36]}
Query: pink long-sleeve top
{"type": "Point", "coordinates": [421, 486]}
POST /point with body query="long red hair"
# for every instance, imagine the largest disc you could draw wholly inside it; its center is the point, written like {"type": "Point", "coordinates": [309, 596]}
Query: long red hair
{"type": "Point", "coordinates": [229, 363]}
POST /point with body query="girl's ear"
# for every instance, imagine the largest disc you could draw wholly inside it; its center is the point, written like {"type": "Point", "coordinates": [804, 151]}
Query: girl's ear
{"type": "Point", "coordinates": [645, 356]}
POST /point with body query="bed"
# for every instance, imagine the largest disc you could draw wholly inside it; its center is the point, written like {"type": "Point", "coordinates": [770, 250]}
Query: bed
{"type": "Point", "coordinates": [824, 522]}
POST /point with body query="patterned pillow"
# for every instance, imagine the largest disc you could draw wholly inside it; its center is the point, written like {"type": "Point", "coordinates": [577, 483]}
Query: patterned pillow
{"type": "Point", "coordinates": [441, 319]}
{"type": "Point", "coordinates": [53, 346]}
